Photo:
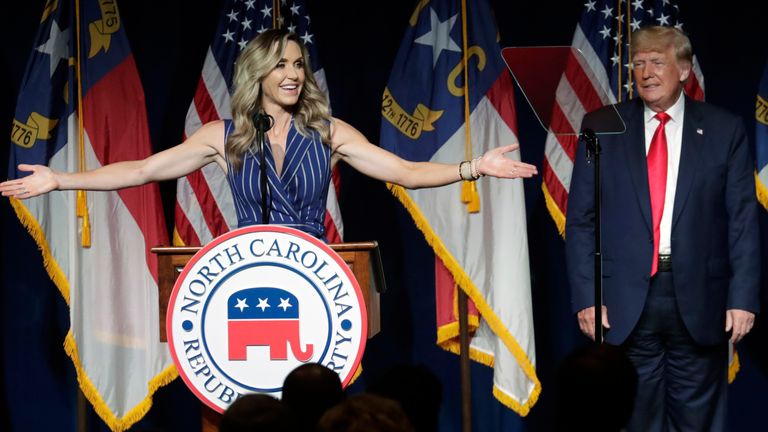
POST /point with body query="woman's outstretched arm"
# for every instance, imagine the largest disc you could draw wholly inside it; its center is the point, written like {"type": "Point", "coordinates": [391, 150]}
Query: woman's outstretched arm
{"type": "Point", "coordinates": [203, 147]}
{"type": "Point", "coordinates": [352, 147]}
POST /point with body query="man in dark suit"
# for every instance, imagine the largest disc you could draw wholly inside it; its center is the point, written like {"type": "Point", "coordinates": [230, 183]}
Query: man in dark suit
{"type": "Point", "coordinates": [680, 240]}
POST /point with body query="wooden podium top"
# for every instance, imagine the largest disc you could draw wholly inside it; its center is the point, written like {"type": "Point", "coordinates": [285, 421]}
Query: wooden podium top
{"type": "Point", "coordinates": [363, 259]}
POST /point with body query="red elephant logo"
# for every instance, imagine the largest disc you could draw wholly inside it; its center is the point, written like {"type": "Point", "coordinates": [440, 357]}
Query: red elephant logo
{"type": "Point", "coordinates": [265, 317]}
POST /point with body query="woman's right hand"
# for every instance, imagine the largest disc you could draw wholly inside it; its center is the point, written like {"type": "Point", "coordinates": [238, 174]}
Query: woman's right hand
{"type": "Point", "coordinates": [41, 180]}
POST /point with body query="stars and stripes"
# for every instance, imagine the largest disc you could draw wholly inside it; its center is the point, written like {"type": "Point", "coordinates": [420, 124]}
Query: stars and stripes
{"type": "Point", "coordinates": [602, 35]}
{"type": "Point", "coordinates": [204, 204]}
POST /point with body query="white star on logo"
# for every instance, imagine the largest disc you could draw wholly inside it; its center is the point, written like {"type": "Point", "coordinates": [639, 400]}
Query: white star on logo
{"type": "Point", "coordinates": [439, 36]}
{"type": "Point", "coordinates": [241, 304]}
{"type": "Point", "coordinates": [262, 304]}
{"type": "Point", "coordinates": [284, 303]}
{"type": "Point", "coordinates": [56, 45]}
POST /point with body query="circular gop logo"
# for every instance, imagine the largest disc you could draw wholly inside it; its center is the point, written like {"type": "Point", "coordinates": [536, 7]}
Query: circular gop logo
{"type": "Point", "coordinates": [256, 303]}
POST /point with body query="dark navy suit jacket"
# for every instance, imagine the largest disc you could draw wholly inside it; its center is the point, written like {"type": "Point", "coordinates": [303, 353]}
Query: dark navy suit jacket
{"type": "Point", "coordinates": [715, 238]}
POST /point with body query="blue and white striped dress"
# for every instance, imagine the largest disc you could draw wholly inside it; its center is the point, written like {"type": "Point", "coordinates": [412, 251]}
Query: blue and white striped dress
{"type": "Point", "coordinates": [298, 194]}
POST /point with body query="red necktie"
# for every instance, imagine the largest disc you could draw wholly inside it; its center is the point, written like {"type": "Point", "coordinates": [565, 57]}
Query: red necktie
{"type": "Point", "coordinates": [657, 182]}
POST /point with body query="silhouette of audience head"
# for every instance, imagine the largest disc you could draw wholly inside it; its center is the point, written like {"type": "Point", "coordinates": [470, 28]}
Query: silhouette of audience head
{"type": "Point", "coordinates": [365, 412]}
{"type": "Point", "coordinates": [257, 412]}
{"type": "Point", "coordinates": [418, 391]}
{"type": "Point", "coordinates": [597, 386]}
{"type": "Point", "coordinates": [309, 391]}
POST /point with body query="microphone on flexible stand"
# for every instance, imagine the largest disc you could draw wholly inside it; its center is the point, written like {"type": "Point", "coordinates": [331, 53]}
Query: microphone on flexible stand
{"type": "Point", "coordinates": [263, 122]}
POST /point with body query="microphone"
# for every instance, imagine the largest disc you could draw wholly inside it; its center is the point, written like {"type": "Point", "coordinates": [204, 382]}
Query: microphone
{"type": "Point", "coordinates": [263, 122]}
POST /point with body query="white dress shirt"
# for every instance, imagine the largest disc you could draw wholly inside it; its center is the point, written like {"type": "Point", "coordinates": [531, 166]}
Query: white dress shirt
{"type": "Point", "coordinates": [674, 132]}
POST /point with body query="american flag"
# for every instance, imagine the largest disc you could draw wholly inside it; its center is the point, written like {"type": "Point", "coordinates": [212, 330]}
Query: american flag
{"type": "Point", "coordinates": [204, 206]}
{"type": "Point", "coordinates": [602, 35]}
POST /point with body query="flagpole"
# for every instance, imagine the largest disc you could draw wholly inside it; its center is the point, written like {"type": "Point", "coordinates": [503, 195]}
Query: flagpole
{"type": "Point", "coordinates": [473, 206]}
{"type": "Point", "coordinates": [464, 365]}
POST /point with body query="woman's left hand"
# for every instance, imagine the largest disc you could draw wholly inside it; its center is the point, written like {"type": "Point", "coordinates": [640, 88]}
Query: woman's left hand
{"type": "Point", "coordinates": [493, 163]}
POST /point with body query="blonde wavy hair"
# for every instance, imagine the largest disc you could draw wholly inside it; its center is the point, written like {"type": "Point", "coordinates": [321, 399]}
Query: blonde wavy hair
{"type": "Point", "coordinates": [258, 59]}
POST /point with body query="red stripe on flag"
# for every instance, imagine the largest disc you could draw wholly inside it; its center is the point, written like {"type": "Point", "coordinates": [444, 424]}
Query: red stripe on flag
{"type": "Point", "coordinates": [582, 86]}
{"type": "Point", "coordinates": [556, 189]}
{"type": "Point", "coordinates": [211, 211]}
{"type": "Point", "coordinates": [336, 179]}
{"type": "Point", "coordinates": [331, 233]}
{"type": "Point", "coordinates": [184, 228]}
{"type": "Point", "coordinates": [204, 105]}
{"type": "Point", "coordinates": [118, 132]}
{"type": "Point", "coordinates": [565, 136]}
{"type": "Point", "coordinates": [693, 89]}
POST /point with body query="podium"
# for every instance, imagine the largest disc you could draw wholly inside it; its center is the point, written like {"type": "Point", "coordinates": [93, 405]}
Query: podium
{"type": "Point", "coordinates": [363, 259]}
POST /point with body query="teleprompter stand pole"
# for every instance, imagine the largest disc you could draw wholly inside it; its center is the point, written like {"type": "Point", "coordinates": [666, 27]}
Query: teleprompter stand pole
{"type": "Point", "coordinates": [592, 144]}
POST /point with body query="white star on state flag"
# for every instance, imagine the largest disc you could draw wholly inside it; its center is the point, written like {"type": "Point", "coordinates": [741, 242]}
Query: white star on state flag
{"type": "Point", "coordinates": [56, 45]}
{"type": "Point", "coordinates": [439, 36]}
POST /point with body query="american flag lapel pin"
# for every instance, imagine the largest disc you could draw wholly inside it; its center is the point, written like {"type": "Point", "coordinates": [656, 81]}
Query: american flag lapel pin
{"type": "Point", "coordinates": [700, 131]}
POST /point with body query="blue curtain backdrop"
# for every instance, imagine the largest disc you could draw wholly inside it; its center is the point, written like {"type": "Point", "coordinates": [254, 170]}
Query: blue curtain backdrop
{"type": "Point", "coordinates": [358, 44]}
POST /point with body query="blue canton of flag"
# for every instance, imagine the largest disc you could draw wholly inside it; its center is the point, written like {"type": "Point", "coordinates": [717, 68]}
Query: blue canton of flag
{"type": "Point", "coordinates": [761, 139]}
{"type": "Point", "coordinates": [416, 97]}
{"type": "Point", "coordinates": [243, 22]}
{"type": "Point", "coordinates": [45, 101]}
{"type": "Point", "coordinates": [424, 118]}
{"type": "Point", "coordinates": [607, 26]}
